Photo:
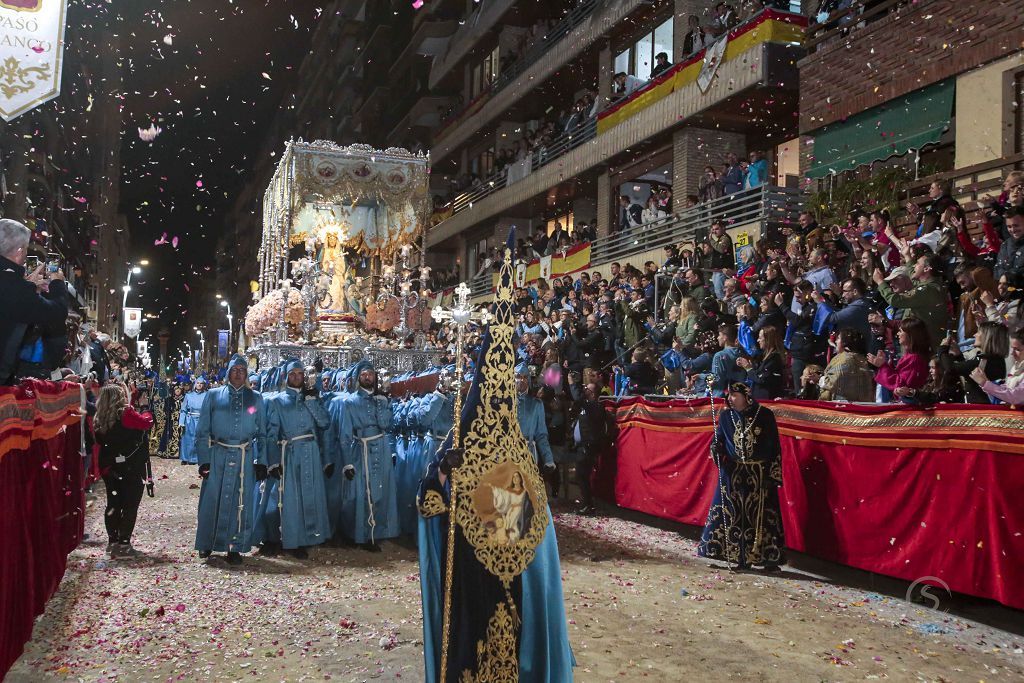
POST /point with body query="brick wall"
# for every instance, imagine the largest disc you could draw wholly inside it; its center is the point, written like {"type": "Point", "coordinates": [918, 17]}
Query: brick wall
{"type": "Point", "coordinates": [695, 148]}
{"type": "Point", "coordinates": [923, 43]}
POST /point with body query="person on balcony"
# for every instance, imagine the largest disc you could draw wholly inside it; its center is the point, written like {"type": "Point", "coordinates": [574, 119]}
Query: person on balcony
{"type": "Point", "coordinates": [653, 212]}
{"type": "Point", "coordinates": [695, 39]}
{"type": "Point", "coordinates": [630, 214]}
{"type": "Point", "coordinates": [757, 171]}
{"type": "Point", "coordinates": [625, 84]}
{"type": "Point", "coordinates": [732, 178]}
{"type": "Point", "coordinates": [709, 187]}
{"type": "Point", "coordinates": [724, 21]}
{"type": "Point", "coordinates": [661, 64]}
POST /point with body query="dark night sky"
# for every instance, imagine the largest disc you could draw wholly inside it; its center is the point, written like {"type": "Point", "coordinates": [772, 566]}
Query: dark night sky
{"type": "Point", "coordinates": [213, 91]}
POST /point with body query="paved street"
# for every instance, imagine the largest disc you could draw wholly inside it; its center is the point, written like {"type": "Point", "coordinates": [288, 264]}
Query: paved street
{"type": "Point", "coordinates": [641, 606]}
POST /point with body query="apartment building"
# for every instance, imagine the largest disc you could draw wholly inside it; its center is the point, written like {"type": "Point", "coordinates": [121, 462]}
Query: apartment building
{"type": "Point", "coordinates": [518, 66]}
{"type": "Point", "coordinates": [933, 85]}
{"type": "Point", "coordinates": [61, 166]}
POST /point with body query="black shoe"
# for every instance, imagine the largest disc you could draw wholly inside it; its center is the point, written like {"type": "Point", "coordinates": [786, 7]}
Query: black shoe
{"type": "Point", "coordinates": [203, 554]}
{"type": "Point", "coordinates": [299, 553]}
{"type": "Point", "coordinates": [234, 559]}
{"type": "Point", "coordinates": [270, 549]}
{"type": "Point", "coordinates": [771, 568]}
{"type": "Point", "coordinates": [370, 547]}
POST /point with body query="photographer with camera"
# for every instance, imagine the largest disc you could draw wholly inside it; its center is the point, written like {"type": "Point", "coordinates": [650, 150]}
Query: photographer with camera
{"type": "Point", "coordinates": [29, 299]}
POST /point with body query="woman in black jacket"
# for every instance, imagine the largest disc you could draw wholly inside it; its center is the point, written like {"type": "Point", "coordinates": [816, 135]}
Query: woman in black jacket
{"type": "Point", "coordinates": [122, 434]}
{"type": "Point", "coordinates": [768, 372]}
{"type": "Point", "coordinates": [993, 345]}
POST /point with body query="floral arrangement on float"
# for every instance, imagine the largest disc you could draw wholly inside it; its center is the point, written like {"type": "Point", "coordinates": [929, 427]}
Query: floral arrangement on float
{"type": "Point", "coordinates": [263, 315]}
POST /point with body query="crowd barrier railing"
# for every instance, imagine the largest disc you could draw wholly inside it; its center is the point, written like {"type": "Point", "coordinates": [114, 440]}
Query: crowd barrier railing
{"type": "Point", "coordinates": [43, 503]}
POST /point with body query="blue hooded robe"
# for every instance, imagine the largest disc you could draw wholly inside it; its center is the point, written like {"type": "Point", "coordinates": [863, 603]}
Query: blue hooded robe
{"type": "Point", "coordinates": [188, 419]}
{"type": "Point", "coordinates": [297, 464]}
{"type": "Point", "coordinates": [369, 509]}
{"type": "Point", "coordinates": [230, 439]}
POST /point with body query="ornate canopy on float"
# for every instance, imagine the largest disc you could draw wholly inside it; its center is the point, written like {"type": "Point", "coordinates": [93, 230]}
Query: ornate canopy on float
{"type": "Point", "coordinates": [355, 198]}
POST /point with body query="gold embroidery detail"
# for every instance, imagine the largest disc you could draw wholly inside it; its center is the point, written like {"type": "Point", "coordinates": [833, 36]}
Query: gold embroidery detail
{"type": "Point", "coordinates": [496, 658]}
{"type": "Point", "coordinates": [432, 504]}
{"type": "Point", "coordinates": [14, 78]}
{"type": "Point", "coordinates": [502, 509]}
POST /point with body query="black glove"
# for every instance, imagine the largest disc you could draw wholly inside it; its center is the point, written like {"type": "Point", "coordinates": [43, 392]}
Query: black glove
{"type": "Point", "coordinates": [259, 471]}
{"type": "Point", "coordinates": [329, 470]}
{"type": "Point", "coordinates": [451, 460]}
{"type": "Point", "coordinates": [275, 471]}
{"type": "Point", "coordinates": [549, 467]}
{"type": "Point", "coordinates": [394, 459]}
{"type": "Point", "coordinates": [204, 471]}
{"type": "Point", "coordinates": [350, 473]}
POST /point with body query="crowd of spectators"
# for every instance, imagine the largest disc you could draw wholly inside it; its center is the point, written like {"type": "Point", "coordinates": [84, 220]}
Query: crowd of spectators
{"type": "Point", "coordinates": [853, 312]}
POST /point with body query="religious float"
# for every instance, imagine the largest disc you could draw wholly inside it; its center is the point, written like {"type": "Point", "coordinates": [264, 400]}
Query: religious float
{"type": "Point", "coordinates": [341, 263]}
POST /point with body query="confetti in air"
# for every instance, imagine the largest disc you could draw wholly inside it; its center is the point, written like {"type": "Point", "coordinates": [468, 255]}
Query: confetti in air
{"type": "Point", "coordinates": [149, 134]}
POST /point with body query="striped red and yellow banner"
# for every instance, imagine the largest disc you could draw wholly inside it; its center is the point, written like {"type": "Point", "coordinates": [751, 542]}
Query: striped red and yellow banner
{"type": "Point", "coordinates": [768, 27]}
{"type": "Point", "coordinates": [577, 258]}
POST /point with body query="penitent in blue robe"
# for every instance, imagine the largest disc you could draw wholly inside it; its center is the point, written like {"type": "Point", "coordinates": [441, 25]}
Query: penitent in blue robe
{"type": "Point", "coordinates": [428, 420]}
{"type": "Point", "coordinates": [226, 511]}
{"type": "Point", "coordinates": [531, 420]}
{"type": "Point", "coordinates": [369, 508]}
{"type": "Point", "coordinates": [301, 493]}
{"type": "Point", "coordinates": [744, 525]}
{"type": "Point", "coordinates": [188, 419]}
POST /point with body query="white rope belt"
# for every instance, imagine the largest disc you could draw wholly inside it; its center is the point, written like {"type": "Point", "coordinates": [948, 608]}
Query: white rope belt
{"type": "Point", "coordinates": [241, 474]}
{"type": "Point", "coordinates": [280, 487]}
{"type": "Point", "coordinates": [366, 441]}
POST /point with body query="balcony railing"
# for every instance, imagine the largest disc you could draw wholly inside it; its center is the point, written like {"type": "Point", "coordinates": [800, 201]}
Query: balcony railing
{"type": "Point", "coordinates": [530, 57]}
{"type": "Point", "coordinates": [843, 21]}
{"type": "Point", "coordinates": [534, 53]}
{"type": "Point", "coordinates": [540, 157]}
{"type": "Point", "coordinates": [765, 205]}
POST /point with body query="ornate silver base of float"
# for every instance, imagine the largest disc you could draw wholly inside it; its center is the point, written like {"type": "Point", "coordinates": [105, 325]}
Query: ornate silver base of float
{"type": "Point", "coordinates": [389, 361]}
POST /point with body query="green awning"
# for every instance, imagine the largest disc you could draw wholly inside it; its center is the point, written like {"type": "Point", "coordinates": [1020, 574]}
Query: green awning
{"type": "Point", "coordinates": [891, 129]}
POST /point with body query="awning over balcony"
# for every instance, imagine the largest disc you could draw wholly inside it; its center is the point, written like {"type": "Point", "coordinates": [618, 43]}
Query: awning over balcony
{"type": "Point", "coordinates": [891, 129]}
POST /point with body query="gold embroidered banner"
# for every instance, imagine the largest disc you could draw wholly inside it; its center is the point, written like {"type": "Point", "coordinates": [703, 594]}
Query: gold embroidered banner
{"type": "Point", "coordinates": [31, 53]}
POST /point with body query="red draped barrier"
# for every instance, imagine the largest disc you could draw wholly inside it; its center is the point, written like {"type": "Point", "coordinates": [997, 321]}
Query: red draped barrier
{"type": "Point", "coordinates": [41, 503]}
{"type": "Point", "coordinates": [895, 490]}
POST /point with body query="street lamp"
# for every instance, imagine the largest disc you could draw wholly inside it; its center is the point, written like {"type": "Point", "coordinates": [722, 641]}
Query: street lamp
{"type": "Point", "coordinates": [202, 347]}
{"type": "Point", "coordinates": [226, 304]}
{"type": "Point", "coordinates": [132, 270]}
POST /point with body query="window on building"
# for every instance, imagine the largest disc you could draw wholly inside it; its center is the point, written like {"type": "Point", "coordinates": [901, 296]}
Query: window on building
{"type": "Point", "coordinates": [638, 59]}
{"type": "Point", "coordinates": [622, 61]}
{"type": "Point", "coordinates": [566, 219]}
{"type": "Point", "coordinates": [1019, 93]}
{"type": "Point", "coordinates": [644, 59]}
{"type": "Point", "coordinates": [484, 73]}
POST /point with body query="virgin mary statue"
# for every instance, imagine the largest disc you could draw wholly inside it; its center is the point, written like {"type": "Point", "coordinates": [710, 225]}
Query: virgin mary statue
{"type": "Point", "coordinates": [332, 262]}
